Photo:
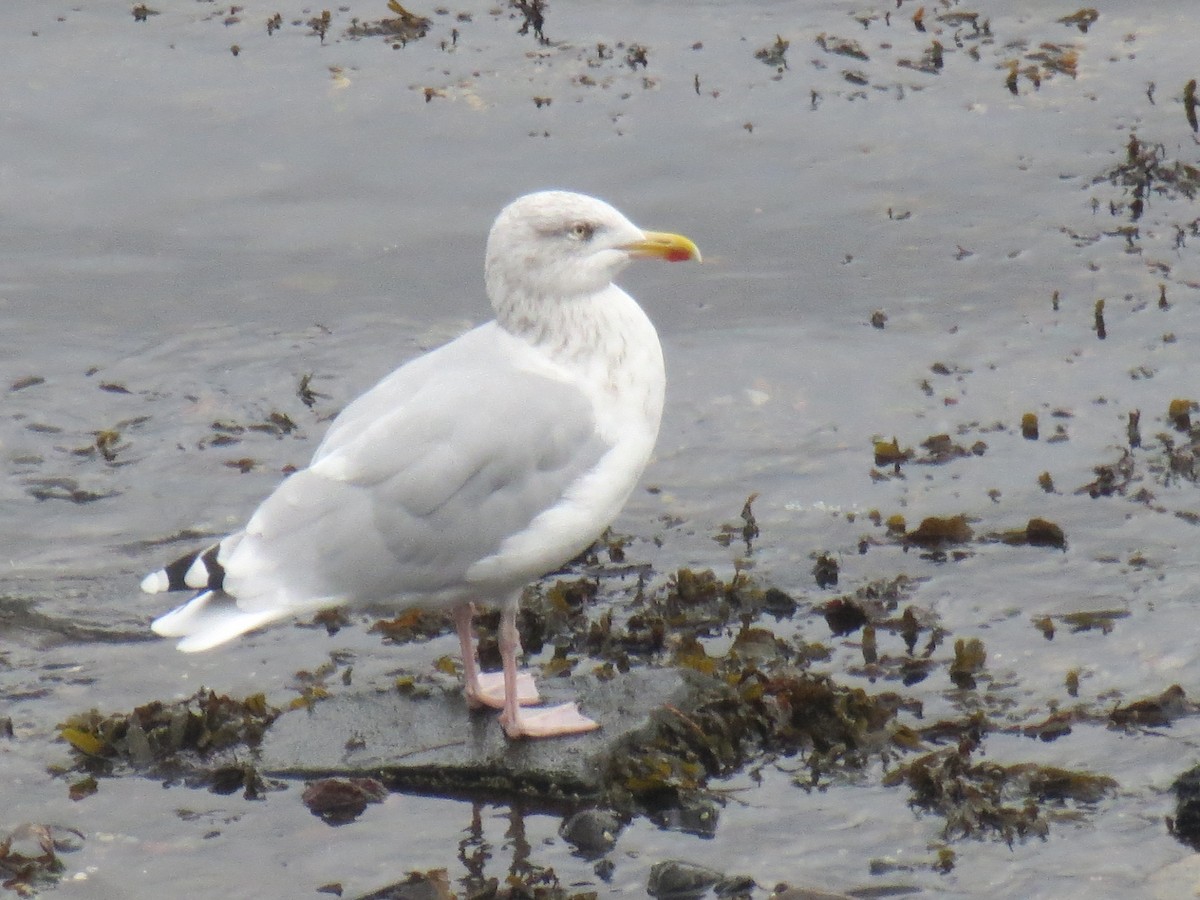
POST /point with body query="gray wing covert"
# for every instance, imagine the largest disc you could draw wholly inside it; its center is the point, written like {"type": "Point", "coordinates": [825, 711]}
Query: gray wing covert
{"type": "Point", "coordinates": [429, 472]}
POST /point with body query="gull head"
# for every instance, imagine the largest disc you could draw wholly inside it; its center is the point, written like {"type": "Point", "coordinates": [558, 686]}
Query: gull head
{"type": "Point", "coordinates": [552, 246]}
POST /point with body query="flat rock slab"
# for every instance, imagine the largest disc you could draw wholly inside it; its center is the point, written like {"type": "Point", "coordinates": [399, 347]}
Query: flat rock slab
{"type": "Point", "coordinates": [434, 743]}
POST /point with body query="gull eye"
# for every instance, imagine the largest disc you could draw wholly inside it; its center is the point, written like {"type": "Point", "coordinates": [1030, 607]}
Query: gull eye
{"type": "Point", "coordinates": [581, 231]}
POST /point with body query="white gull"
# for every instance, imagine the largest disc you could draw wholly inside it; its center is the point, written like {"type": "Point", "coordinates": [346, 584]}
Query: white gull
{"type": "Point", "coordinates": [471, 470]}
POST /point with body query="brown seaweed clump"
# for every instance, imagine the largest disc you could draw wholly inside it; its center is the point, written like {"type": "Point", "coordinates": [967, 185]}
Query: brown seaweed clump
{"type": "Point", "coordinates": [743, 707]}
{"type": "Point", "coordinates": [1185, 825]}
{"type": "Point", "coordinates": [1153, 712]}
{"type": "Point", "coordinates": [1036, 533]}
{"type": "Point", "coordinates": [937, 534]}
{"type": "Point", "coordinates": [339, 801]}
{"type": "Point", "coordinates": [29, 856]}
{"type": "Point", "coordinates": [165, 739]}
{"type": "Point", "coordinates": [405, 27]}
{"type": "Point", "coordinates": [774, 55]}
{"type": "Point", "coordinates": [1145, 174]}
{"type": "Point", "coordinates": [985, 798]}
{"type": "Point", "coordinates": [527, 881]}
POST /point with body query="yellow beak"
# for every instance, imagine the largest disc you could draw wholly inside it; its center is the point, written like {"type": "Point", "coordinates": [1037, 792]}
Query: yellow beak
{"type": "Point", "coordinates": [664, 245]}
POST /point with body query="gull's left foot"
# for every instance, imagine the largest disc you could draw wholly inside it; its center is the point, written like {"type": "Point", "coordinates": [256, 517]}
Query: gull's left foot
{"type": "Point", "coordinates": [490, 691]}
{"type": "Point", "coordinates": [550, 722]}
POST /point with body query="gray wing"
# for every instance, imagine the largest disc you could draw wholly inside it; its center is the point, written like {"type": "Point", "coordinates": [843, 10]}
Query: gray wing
{"type": "Point", "coordinates": [418, 479]}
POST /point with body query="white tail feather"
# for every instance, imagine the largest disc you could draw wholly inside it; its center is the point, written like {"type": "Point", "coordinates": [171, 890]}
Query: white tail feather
{"type": "Point", "coordinates": [224, 625]}
{"type": "Point", "coordinates": [156, 582]}
{"type": "Point", "coordinates": [184, 619]}
{"type": "Point", "coordinates": [214, 617]}
{"type": "Point", "coordinates": [197, 574]}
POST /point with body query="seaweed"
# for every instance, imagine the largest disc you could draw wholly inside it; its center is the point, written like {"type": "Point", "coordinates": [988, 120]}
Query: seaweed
{"type": "Point", "coordinates": [339, 801]}
{"type": "Point", "coordinates": [969, 659]}
{"type": "Point", "coordinates": [167, 739]}
{"type": "Point", "coordinates": [981, 799]}
{"type": "Point", "coordinates": [1185, 825]}
{"type": "Point", "coordinates": [1153, 712]}
{"type": "Point", "coordinates": [533, 13]}
{"type": "Point", "coordinates": [840, 46]}
{"type": "Point", "coordinates": [741, 712]}
{"type": "Point", "coordinates": [748, 530]}
{"type": "Point", "coordinates": [937, 532]}
{"type": "Point", "coordinates": [1083, 19]}
{"type": "Point", "coordinates": [941, 449]}
{"type": "Point", "coordinates": [29, 856]}
{"type": "Point", "coordinates": [774, 55]}
{"type": "Point", "coordinates": [406, 26]}
{"type": "Point", "coordinates": [888, 453]}
{"type": "Point", "coordinates": [1036, 533]}
{"type": "Point", "coordinates": [1145, 173]}
{"type": "Point", "coordinates": [1111, 478]}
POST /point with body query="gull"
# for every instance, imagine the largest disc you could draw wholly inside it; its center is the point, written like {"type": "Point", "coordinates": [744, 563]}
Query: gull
{"type": "Point", "coordinates": [469, 471]}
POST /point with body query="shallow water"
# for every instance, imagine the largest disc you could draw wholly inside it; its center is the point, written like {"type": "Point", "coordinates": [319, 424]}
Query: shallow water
{"type": "Point", "coordinates": [187, 233]}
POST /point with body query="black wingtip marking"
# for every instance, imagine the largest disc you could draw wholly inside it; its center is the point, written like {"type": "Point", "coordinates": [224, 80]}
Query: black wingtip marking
{"type": "Point", "coordinates": [177, 571]}
{"type": "Point", "coordinates": [216, 572]}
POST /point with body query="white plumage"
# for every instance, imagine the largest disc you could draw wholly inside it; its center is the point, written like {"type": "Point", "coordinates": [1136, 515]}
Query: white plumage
{"type": "Point", "coordinates": [470, 470]}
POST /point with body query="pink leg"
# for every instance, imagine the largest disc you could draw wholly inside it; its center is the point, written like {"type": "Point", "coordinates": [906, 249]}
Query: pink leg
{"type": "Point", "coordinates": [486, 688]}
{"type": "Point", "coordinates": [549, 722]}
